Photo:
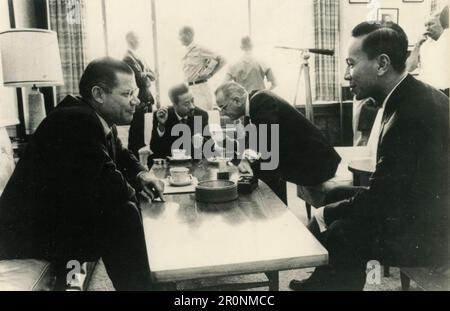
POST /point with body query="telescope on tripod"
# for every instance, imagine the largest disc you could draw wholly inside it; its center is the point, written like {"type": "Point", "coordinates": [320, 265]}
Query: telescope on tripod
{"type": "Point", "coordinates": [304, 69]}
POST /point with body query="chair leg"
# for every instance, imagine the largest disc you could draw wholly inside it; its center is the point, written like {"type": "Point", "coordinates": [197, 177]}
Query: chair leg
{"type": "Point", "coordinates": [386, 271]}
{"type": "Point", "coordinates": [405, 281]}
{"type": "Point", "coordinates": [308, 210]}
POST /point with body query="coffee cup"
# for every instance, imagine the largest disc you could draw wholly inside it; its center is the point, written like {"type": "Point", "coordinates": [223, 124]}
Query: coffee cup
{"type": "Point", "coordinates": [180, 175]}
{"type": "Point", "coordinates": [179, 153]}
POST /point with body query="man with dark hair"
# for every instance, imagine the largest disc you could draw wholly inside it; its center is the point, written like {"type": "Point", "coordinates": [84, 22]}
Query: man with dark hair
{"type": "Point", "coordinates": [402, 218]}
{"type": "Point", "coordinates": [249, 71]}
{"type": "Point", "coordinates": [304, 155]}
{"type": "Point", "coordinates": [144, 76]}
{"type": "Point", "coordinates": [183, 111]}
{"type": "Point", "coordinates": [72, 194]}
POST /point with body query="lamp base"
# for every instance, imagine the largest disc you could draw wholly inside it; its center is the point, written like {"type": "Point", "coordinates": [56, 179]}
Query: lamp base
{"type": "Point", "coordinates": [36, 110]}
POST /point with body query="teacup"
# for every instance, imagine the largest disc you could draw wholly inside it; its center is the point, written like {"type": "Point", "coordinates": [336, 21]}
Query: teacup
{"type": "Point", "coordinates": [179, 153]}
{"type": "Point", "coordinates": [180, 175]}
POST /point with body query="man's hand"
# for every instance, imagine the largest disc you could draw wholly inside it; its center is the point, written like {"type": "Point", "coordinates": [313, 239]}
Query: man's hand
{"type": "Point", "coordinates": [152, 186]}
{"type": "Point", "coordinates": [162, 115]}
{"type": "Point", "coordinates": [244, 167]}
{"type": "Point", "coordinates": [422, 40]}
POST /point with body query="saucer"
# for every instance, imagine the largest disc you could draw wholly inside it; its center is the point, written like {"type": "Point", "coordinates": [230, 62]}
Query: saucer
{"type": "Point", "coordinates": [180, 184]}
{"type": "Point", "coordinates": [183, 159]}
{"type": "Point", "coordinates": [216, 160]}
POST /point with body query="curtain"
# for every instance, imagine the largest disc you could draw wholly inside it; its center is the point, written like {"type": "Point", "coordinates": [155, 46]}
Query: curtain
{"type": "Point", "coordinates": [326, 36]}
{"type": "Point", "coordinates": [67, 19]}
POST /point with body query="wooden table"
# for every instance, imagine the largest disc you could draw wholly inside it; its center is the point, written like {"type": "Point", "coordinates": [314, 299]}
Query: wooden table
{"type": "Point", "coordinates": [190, 240]}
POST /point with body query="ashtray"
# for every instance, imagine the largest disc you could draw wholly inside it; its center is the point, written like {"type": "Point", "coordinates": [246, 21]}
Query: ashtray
{"type": "Point", "coordinates": [216, 191]}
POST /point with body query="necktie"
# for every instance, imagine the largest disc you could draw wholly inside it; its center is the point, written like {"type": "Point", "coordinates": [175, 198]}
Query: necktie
{"type": "Point", "coordinates": [110, 145]}
{"type": "Point", "coordinates": [183, 120]}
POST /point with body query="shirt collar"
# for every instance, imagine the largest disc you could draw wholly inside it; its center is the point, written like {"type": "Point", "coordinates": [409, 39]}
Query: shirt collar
{"type": "Point", "coordinates": [247, 106]}
{"type": "Point", "coordinates": [106, 127]}
{"type": "Point", "coordinates": [178, 116]}
{"type": "Point", "coordinates": [393, 89]}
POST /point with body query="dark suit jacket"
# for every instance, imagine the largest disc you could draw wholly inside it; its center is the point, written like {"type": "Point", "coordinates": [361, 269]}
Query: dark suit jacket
{"type": "Point", "coordinates": [162, 146]}
{"type": "Point", "coordinates": [406, 205]}
{"type": "Point", "coordinates": [136, 137]}
{"type": "Point", "coordinates": [63, 185]}
{"type": "Point", "coordinates": [305, 156]}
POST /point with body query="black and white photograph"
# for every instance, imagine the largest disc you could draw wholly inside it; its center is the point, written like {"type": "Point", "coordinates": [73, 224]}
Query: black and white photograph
{"type": "Point", "coordinates": [224, 145]}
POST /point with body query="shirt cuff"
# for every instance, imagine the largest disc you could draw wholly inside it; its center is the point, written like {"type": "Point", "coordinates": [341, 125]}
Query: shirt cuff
{"type": "Point", "coordinates": [318, 215]}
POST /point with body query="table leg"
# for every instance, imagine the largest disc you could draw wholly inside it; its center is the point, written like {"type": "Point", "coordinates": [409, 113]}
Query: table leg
{"type": "Point", "coordinates": [273, 280]}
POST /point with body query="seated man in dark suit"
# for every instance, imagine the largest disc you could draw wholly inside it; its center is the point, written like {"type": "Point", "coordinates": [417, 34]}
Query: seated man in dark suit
{"type": "Point", "coordinates": [304, 156]}
{"type": "Point", "coordinates": [402, 219]}
{"type": "Point", "coordinates": [182, 112]}
{"type": "Point", "coordinates": [72, 194]}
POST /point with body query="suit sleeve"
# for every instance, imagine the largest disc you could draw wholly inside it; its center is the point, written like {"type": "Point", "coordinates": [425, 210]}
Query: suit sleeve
{"type": "Point", "coordinates": [391, 180]}
{"type": "Point", "coordinates": [158, 144]}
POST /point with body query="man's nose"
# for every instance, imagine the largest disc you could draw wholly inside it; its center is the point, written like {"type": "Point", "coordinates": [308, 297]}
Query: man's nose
{"type": "Point", "coordinates": [347, 75]}
{"type": "Point", "coordinates": [134, 101]}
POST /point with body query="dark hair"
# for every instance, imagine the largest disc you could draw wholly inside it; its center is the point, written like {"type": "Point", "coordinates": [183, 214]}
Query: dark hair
{"type": "Point", "coordinates": [246, 43]}
{"type": "Point", "coordinates": [187, 29]}
{"type": "Point", "coordinates": [176, 91]}
{"type": "Point", "coordinates": [443, 18]}
{"type": "Point", "coordinates": [102, 72]}
{"type": "Point", "coordinates": [384, 38]}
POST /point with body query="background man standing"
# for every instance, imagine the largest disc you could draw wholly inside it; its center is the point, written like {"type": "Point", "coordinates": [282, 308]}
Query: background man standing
{"type": "Point", "coordinates": [144, 76]}
{"type": "Point", "coordinates": [250, 72]}
{"type": "Point", "coordinates": [199, 65]}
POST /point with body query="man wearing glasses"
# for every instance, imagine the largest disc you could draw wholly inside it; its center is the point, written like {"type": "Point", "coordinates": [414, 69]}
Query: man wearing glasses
{"type": "Point", "coordinates": [305, 156]}
{"type": "Point", "coordinates": [72, 194]}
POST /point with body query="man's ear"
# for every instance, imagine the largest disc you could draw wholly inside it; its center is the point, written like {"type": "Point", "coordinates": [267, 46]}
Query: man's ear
{"type": "Point", "coordinates": [98, 94]}
{"type": "Point", "coordinates": [384, 63]}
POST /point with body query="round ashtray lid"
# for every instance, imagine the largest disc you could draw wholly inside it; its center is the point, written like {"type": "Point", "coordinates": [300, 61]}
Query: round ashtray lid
{"type": "Point", "coordinates": [216, 191]}
{"type": "Point", "coordinates": [216, 184]}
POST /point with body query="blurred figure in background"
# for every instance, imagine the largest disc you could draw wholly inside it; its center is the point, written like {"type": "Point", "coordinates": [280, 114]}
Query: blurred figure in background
{"type": "Point", "coordinates": [199, 65]}
{"type": "Point", "coordinates": [144, 76]}
{"type": "Point", "coordinates": [249, 71]}
{"type": "Point", "coordinates": [430, 54]}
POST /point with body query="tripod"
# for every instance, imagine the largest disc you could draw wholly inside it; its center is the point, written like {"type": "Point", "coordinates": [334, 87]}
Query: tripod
{"type": "Point", "coordinates": [304, 69]}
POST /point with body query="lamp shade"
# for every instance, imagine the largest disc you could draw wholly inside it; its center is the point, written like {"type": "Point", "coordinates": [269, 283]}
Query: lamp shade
{"type": "Point", "coordinates": [30, 57]}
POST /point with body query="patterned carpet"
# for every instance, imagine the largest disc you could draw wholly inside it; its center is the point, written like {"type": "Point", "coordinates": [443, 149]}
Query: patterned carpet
{"type": "Point", "coordinates": [101, 282]}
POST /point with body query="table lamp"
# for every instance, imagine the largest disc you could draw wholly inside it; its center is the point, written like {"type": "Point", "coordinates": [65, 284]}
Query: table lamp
{"type": "Point", "coordinates": [30, 57]}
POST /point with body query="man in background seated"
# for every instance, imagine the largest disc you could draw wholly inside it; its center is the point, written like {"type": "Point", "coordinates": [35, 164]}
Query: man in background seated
{"type": "Point", "coordinates": [72, 194]}
{"type": "Point", "coordinates": [183, 111]}
{"type": "Point", "coordinates": [144, 76]}
{"type": "Point", "coordinates": [431, 54]}
{"type": "Point", "coordinates": [304, 155]}
{"type": "Point", "coordinates": [402, 218]}
{"type": "Point", "coordinates": [250, 72]}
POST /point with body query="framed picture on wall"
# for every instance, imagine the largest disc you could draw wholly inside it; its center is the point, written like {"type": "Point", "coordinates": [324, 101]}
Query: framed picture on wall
{"type": "Point", "coordinates": [359, 1]}
{"type": "Point", "coordinates": [388, 15]}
